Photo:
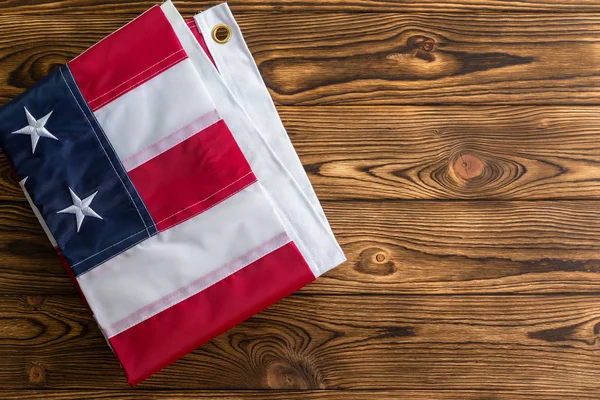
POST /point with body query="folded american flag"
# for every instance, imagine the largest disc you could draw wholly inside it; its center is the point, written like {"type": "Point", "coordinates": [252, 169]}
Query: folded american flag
{"type": "Point", "coordinates": [161, 173]}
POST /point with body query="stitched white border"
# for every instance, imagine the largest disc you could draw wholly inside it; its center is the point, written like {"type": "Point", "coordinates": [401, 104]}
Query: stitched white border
{"type": "Point", "coordinates": [291, 204]}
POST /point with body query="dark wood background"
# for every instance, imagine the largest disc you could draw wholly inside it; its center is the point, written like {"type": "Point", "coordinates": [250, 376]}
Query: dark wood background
{"type": "Point", "coordinates": [456, 149]}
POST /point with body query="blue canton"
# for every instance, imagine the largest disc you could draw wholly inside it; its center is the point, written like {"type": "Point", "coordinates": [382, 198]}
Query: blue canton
{"type": "Point", "coordinates": [72, 173]}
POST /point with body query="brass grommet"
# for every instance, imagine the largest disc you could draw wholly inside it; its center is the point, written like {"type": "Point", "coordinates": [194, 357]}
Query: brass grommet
{"type": "Point", "coordinates": [221, 33]}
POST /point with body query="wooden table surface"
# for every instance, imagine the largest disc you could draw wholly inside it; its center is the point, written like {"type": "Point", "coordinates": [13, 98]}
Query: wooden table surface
{"type": "Point", "coordinates": [456, 149]}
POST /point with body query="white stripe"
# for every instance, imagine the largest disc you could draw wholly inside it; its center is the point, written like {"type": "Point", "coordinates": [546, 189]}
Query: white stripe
{"type": "Point", "coordinates": [172, 140]}
{"type": "Point", "coordinates": [162, 270]}
{"type": "Point", "coordinates": [154, 110]}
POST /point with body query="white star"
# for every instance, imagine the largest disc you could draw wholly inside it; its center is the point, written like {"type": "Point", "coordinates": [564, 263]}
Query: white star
{"type": "Point", "coordinates": [81, 208]}
{"type": "Point", "coordinates": [36, 129]}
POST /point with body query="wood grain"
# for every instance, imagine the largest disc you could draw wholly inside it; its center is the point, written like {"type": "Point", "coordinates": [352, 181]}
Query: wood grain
{"type": "Point", "coordinates": [364, 58]}
{"type": "Point", "coordinates": [422, 394]}
{"type": "Point", "coordinates": [465, 247]}
{"type": "Point", "coordinates": [401, 152]}
{"type": "Point", "coordinates": [425, 59]}
{"type": "Point", "coordinates": [113, 7]}
{"type": "Point", "coordinates": [327, 342]}
{"type": "Point", "coordinates": [396, 248]}
{"type": "Point", "coordinates": [9, 184]}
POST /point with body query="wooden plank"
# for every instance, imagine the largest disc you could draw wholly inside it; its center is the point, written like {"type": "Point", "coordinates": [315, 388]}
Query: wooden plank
{"type": "Point", "coordinates": [372, 58]}
{"type": "Point", "coordinates": [396, 247]}
{"type": "Point", "coordinates": [330, 342]}
{"type": "Point", "coordinates": [9, 184]}
{"type": "Point", "coordinates": [113, 7]}
{"type": "Point", "coordinates": [466, 247]}
{"type": "Point", "coordinates": [425, 59]}
{"type": "Point", "coordinates": [422, 394]}
{"type": "Point", "coordinates": [412, 153]}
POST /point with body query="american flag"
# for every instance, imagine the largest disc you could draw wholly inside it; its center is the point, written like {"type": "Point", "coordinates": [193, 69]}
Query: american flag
{"type": "Point", "coordinates": [158, 168]}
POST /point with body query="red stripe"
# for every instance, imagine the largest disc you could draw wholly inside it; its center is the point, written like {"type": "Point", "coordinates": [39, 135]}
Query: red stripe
{"type": "Point", "coordinates": [127, 58]}
{"type": "Point", "coordinates": [198, 35]}
{"type": "Point", "coordinates": [192, 176]}
{"type": "Point", "coordinates": [158, 341]}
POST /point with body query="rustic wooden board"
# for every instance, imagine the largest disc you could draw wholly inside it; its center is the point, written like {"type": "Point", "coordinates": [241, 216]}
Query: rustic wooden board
{"type": "Point", "coordinates": [423, 394]}
{"type": "Point", "coordinates": [364, 58]}
{"type": "Point", "coordinates": [113, 7]}
{"type": "Point", "coordinates": [328, 342]}
{"type": "Point", "coordinates": [395, 247]}
{"type": "Point", "coordinates": [458, 152]}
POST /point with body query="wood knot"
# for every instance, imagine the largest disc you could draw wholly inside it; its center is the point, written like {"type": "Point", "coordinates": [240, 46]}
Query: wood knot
{"type": "Point", "coordinates": [37, 374]}
{"type": "Point", "coordinates": [36, 301]}
{"type": "Point", "coordinates": [282, 375]}
{"type": "Point", "coordinates": [428, 45]}
{"type": "Point", "coordinates": [375, 261]}
{"type": "Point", "coordinates": [421, 42]}
{"type": "Point", "coordinates": [422, 48]}
{"type": "Point", "coordinates": [543, 123]}
{"type": "Point", "coordinates": [597, 328]}
{"type": "Point", "coordinates": [468, 166]}
{"type": "Point", "coordinates": [473, 173]}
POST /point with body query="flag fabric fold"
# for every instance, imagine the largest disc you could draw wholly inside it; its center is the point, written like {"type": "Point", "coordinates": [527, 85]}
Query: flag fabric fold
{"type": "Point", "coordinates": [160, 171]}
